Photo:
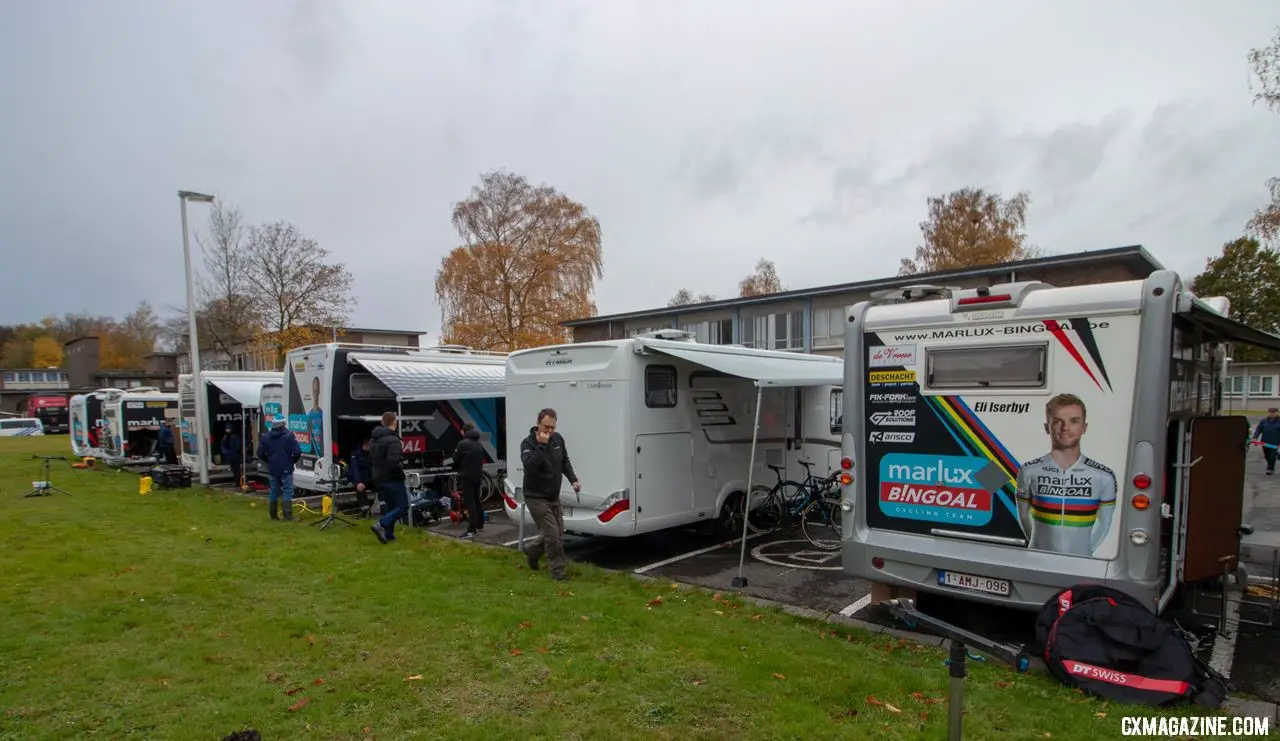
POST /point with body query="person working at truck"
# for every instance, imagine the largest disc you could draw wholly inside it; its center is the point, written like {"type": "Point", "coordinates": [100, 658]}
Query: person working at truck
{"type": "Point", "coordinates": [360, 473]}
{"type": "Point", "coordinates": [233, 452]}
{"type": "Point", "coordinates": [1066, 500]}
{"type": "Point", "coordinates": [468, 461]}
{"type": "Point", "coordinates": [387, 455]}
{"type": "Point", "coordinates": [546, 459]}
{"type": "Point", "coordinates": [1268, 433]}
{"type": "Point", "coordinates": [164, 444]}
{"type": "Point", "coordinates": [280, 449]}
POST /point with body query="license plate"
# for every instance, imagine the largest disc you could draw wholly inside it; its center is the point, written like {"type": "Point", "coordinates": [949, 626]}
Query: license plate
{"type": "Point", "coordinates": [975, 583]}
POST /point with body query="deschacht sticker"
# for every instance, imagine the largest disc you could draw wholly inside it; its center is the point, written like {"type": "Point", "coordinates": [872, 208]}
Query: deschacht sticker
{"type": "Point", "coordinates": [900, 376]}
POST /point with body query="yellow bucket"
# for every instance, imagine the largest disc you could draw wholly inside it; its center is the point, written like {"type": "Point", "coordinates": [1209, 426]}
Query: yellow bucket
{"type": "Point", "coordinates": [326, 505]}
{"type": "Point", "coordinates": [144, 485]}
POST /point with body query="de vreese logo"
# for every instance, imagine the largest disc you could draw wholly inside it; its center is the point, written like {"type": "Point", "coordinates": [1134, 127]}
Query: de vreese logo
{"type": "Point", "coordinates": [893, 356]}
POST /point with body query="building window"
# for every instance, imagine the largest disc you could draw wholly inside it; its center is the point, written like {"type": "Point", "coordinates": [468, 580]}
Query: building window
{"type": "Point", "coordinates": [711, 332]}
{"type": "Point", "coordinates": [1258, 385]}
{"type": "Point", "coordinates": [24, 377]}
{"type": "Point", "coordinates": [8, 378]}
{"type": "Point", "coordinates": [659, 386]}
{"type": "Point", "coordinates": [779, 331]}
{"type": "Point", "coordinates": [828, 326]}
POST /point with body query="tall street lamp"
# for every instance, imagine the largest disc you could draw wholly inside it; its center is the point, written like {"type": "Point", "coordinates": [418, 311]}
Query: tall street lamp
{"type": "Point", "coordinates": [193, 343]}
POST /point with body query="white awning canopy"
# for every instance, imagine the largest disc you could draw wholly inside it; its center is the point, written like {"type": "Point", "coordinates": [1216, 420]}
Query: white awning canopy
{"type": "Point", "coordinates": [435, 379]}
{"type": "Point", "coordinates": [765, 368]}
{"type": "Point", "coordinates": [1225, 329]}
{"type": "Point", "coordinates": [248, 393]}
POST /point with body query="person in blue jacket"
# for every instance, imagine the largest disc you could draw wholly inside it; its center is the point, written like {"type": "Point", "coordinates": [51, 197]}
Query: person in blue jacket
{"type": "Point", "coordinates": [164, 444]}
{"type": "Point", "coordinates": [360, 473]}
{"type": "Point", "coordinates": [280, 449]}
{"type": "Point", "coordinates": [1268, 430]}
{"type": "Point", "coordinates": [233, 452]}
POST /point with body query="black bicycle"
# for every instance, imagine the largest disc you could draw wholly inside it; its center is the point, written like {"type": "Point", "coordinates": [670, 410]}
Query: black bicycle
{"type": "Point", "coordinates": [810, 504]}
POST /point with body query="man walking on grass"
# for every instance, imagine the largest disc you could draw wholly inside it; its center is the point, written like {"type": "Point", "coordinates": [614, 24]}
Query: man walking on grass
{"type": "Point", "coordinates": [280, 449]}
{"type": "Point", "coordinates": [546, 459]}
{"type": "Point", "coordinates": [468, 461]}
{"type": "Point", "coordinates": [386, 452]}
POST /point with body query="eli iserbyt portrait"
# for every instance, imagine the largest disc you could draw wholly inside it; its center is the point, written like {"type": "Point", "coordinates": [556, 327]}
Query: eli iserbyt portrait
{"type": "Point", "coordinates": [1065, 499]}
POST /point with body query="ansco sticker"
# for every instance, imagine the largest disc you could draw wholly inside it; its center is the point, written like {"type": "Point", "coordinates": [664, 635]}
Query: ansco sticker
{"type": "Point", "coordinates": [902, 376]}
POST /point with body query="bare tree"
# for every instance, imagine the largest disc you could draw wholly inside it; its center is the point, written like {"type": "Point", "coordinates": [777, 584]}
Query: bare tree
{"type": "Point", "coordinates": [763, 281]}
{"type": "Point", "coordinates": [685, 297]}
{"type": "Point", "coordinates": [296, 291]}
{"type": "Point", "coordinates": [228, 313]}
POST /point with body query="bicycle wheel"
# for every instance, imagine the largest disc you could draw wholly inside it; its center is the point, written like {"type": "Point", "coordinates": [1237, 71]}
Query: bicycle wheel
{"type": "Point", "coordinates": [765, 511]}
{"type": "Point", "coordinates": [488, 487]}
{"type": "Point", "coordinates": [820, 522]}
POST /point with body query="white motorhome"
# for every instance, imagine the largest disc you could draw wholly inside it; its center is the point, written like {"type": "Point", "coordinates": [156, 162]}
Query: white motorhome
{"type": "Point", "coordinates": [87, 423]}
{"type": "Point", "coordinates": [229, 398]}
{"type": "Point", "coordinates": [659, 428]}
{"type": "Point", "coordinates": [335, 394]}
{"type": "Point", "coordinates": [1043, 437]}
{"type": "Point", "coordinates": [133, 419]}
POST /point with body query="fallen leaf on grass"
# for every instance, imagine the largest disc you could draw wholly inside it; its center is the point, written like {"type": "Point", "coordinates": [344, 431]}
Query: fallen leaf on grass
{"type": "Point", "coordinates": [720, 613]}
{"type": "Point", "coordinates": [319, 681]}
{"type": "Point", "coordinates": [311, 640]}
{"type": "Point", "coordinates": [1003, 685]}
{"type": "Point", "coordinates": [891, 708]}
{"type": "Point", "coordinates": [566, 593]}
{"type": "Point", "coordinates": [583, 618]}
{"type": "Point", "coordinates": [674, 585]}
{"type": "Point", "coordinates": [516, 652]}
{"type": "Point", "coordinates": [757, 618]}
{"type": "Point", "coordinates": [414, 678]}
{"type": "Point", "coordinates": [542, 649]}
{"type": "Point", "coordinates": [655, 602]}
{"type": "Point", "coordinates": [1099, 715]}
{"type": "Point", "coordinates": [697, 681]}
{"type": "Point", "coordinates": [778, 676]}
{"type": "Point", "coordinates": [368, 730]}
{"type": "Point", "coordinates": [871, 700]}
{"type": "Point", "coordinates": [223, 634]}
{"type": "Point", "coordinates": [524, 625]}
{"type": "Point", "coordinates": [300, 704]}
{"type": "Point", "coordinates": [293, 691]}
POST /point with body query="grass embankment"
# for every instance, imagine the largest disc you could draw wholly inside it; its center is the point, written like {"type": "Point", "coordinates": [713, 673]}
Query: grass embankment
{"type": "Point", "coordinates": [188, 614]}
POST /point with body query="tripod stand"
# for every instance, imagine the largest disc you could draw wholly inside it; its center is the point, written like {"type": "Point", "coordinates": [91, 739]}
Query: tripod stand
{"type": "Point", "coordinates": [45, 487]}
{"type": "Point", "coordinates": [334, 475]}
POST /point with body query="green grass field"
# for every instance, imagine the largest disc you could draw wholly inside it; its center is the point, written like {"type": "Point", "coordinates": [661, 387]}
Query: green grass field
{"type": "Point", "coordinates": [189, 615]}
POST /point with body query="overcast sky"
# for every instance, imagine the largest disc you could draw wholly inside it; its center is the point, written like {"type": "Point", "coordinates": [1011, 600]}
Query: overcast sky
{"type": "Point", "coordinates": [704, 135]}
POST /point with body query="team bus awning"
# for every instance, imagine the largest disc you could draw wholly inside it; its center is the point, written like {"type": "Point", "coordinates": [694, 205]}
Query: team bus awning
{"type": "Point", "coordinates": [1226, 329]}
{"type": "Point", "coordinates": [775, 369]}
{"type": "Point", "coordinates": [435, 378]}
{"type": "Point", "coordinates": [248, 393]}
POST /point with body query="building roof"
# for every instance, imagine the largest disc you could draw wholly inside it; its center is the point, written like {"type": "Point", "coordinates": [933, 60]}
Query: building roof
{"type": "Point", "coordinates": [1134, 256]}
{"type": "Point", "coordinates": [364, 330]}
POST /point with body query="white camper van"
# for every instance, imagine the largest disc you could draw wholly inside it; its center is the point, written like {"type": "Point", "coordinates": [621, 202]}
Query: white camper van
{"type": "Point", "coordinates": [1057, 435]}
{"type": "Point", "coordinates": [659, 428]}
{"type": "Point", "coordinates": [88, 423]}
{"type": "Point", "coordinates": [229, 397]}
{"type": "Point", "coordinates": [133, 420]}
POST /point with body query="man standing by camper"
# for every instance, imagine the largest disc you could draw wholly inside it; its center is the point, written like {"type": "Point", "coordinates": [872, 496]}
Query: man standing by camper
{"type": "Point", "coordinates": [233, 452]}
{"type": "Point", "coordinates": [468, 461]}
{"type": "Point", "coordinates": [386, 452]}
{"type": "Point", "coordinates": [280, 449]}
{"type": "Point", "coordinates": [546, 459]}
{"type": "Point", "coordinates": [1268, 433]}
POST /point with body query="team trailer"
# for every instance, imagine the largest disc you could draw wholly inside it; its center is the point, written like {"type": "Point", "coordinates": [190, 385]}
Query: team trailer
{"type": "Point", "coordinates": [50, 409]}
{"type": "Point", "coordinates": [229, 398]}
{"type": "Point", "coordinates": [133, 419]}
{"type": "Point", "coordinates": [1012, 441]}
{"type": "Point", "coordinates": [335, 395]}
{"type": "Point", "coordinates": [660, 429]}
{"type": "Point", "coordinates": [88, 423]}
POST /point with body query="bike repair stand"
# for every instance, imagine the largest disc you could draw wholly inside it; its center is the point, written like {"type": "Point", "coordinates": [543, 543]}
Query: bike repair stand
{"type": "Point", "coordinates": [333, 506]}
{"type": "Point", "coordinates": [45, 487]}
{"type": "Point", "coordinates": [905, 610]}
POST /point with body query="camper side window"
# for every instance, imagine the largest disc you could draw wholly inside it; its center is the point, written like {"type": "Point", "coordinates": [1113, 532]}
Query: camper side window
{"type": "Point", "coordinates": [837, 411]}
{"type": "Point", "coordinates": [1021, 366]}
{"type": "Point", "coordinates": [659, 386]}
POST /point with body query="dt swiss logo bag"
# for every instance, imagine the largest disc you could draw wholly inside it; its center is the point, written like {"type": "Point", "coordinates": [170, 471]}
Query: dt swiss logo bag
{"type": "Point", "coordinates": [1111, 646]}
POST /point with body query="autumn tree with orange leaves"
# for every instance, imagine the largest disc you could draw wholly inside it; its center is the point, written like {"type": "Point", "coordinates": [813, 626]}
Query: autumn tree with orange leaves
{"type": "Point", "coordinates": [529, 261]}
{"type": "Point", "coordinates": [971, 227]}
{"type": "Point", "coordinates": [762, 282]}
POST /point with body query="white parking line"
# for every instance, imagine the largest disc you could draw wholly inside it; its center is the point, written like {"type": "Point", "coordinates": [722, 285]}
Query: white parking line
{"type": "Point", "coordinates": [1224, 647]}
{"type": "Point", "coordinates": [691, 554]}
{"type": "Point", "coordinates": [852, 610]}
{"type": "Point", "coordinates": [510, 543]}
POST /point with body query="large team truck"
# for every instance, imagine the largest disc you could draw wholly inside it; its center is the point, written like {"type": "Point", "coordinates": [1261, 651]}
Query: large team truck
{"type": "Point", "coordinates": [133, 420]}
{"type": "Point", "coordinates": [1015, 440]}
{"type": "Point", "coordinates": [660, 428]}
{"type": "Point", "coordinates": [231, 399]}
{"type": "Point", "coordinates": [335, 395]}
{"type": "Point", "coordinates": [87, 424]}
{"type": "Point", "coordinates": [50, 409]}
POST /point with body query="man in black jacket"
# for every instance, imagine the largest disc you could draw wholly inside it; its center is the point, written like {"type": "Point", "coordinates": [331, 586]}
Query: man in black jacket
{"type": "Point", "coordinates": [546, 459]}
{"type": "Point", "coordinates": [468, 461]}
{"type": "Point", "coordinates": [386, 453]}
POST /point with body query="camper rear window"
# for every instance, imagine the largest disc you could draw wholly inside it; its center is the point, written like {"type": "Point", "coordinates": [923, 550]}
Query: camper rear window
{"type": "Point", "coordinates": [659, 386]}
{"type": "Point", "coordinates": [1021, 366]}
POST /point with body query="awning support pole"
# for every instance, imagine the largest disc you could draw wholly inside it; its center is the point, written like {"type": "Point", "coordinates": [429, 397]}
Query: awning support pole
{"type": "Point", "coordinates": [740, 581]}
{"type": "Point", "coordinates": [408, 508]}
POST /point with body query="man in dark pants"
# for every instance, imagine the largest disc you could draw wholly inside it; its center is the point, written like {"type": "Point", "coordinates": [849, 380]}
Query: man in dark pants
{"type": "Point", "coordinates": [360, 474]}
{"type": "Point", "coordinates": [386, 453]}
{"type": "Point", "coordinates": [280, 449]}
{"type": "Point", "coordinates": [1268, 430]}
{"type": "Point", "coordinates": [546, 459]}
{"type": "Point", "coordinates": [468, 461]}
{"type": "Point", "coordinates": [233, 452]}
{"type": "Point", "coordinates": [164, 444]}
